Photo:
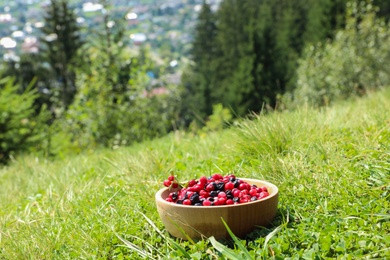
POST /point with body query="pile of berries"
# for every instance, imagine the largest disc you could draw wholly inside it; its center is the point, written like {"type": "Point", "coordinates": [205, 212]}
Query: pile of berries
{"type": "Point", "coordinates": [214, 191]}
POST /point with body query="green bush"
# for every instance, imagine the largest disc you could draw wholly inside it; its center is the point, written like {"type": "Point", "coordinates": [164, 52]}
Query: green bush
{"type": "Point", "coordinates": [117, 112]}
{"type": "Point", "coordinates": [21, 127]}
{"type": "Point", "coordinates": [355, 62]}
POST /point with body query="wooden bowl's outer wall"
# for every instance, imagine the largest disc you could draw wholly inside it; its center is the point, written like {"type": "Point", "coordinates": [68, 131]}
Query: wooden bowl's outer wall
{"type": "Point", "coordinates": [206, 221]}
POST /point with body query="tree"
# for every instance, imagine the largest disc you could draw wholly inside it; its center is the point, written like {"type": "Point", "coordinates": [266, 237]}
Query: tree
{"type": "Point", "coordinates": [256, 48]}
{"type": "Point", "coordinates": [61, 43]}
{"type": "Point", "coordinates": [21, 126]}
{"type": "Point", "coordinates": [199, 78]}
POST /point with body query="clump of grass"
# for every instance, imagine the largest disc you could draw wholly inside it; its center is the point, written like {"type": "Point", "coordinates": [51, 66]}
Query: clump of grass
{"type": "Point", "coordinates": [331, 166]}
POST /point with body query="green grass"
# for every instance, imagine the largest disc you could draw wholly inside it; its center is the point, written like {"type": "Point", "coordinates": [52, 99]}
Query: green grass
{"type": "Point", "coordinates": [332, 167]}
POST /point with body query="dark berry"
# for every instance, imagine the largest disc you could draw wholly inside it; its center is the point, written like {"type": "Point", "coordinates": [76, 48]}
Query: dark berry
{"type": "Point", "coordinates": [194, 198]}
{"type": "Point", "coordinates": [174, 196]}
{"type": "Point", "coordinates": [214, 193]}
{"type": "Point", "coordinates": [220, 186]}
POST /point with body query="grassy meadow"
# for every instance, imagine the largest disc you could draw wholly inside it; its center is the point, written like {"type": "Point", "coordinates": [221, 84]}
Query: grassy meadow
{"type": "Point", "coordinates": [332, 167]}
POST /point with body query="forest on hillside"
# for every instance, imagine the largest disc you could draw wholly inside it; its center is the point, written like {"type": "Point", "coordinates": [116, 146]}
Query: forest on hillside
{"type": "Point", "coordinates": [250, 56]}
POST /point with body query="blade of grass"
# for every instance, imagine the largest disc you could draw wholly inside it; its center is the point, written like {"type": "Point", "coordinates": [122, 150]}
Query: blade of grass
{"type": "Point", "coordinates": [240, 245]}
{"type": "Point", "coordinates": [176, 245]}
{"type": "Point", "coordinates": [227, 252]}
{"type": "Point", "coordinates": [181, 231]}
{"type": "Point", "coordinates": [135, 248]}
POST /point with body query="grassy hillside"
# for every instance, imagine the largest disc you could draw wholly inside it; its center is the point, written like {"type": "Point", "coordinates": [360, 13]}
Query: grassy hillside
{"type": "Point", "coordinates": [332, 167]}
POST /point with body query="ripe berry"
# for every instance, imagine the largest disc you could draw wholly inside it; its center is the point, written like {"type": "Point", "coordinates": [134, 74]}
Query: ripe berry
{"type": "Point", "coordinates": [222, 200]}
{"type": "Point", "coordinates": [263, 194]}
{"type": "Point", "coordinates": [209, 187]}
{"type": "Point", "coordinates": [222, 194]}
{"type": "Point", "coordinates": [217, 176]}
{"type": "Point", "coordinates": [203, 180]}
{"type": "Point", "coordinates": [229, 202]}
{"type": "Point", "coordinates": [229, 186]}
{"type": "Point", "coordinates": [191, 183]}
{"type": "Point", "coordinates": [187, 202]}
{"type": "Point", "coordinates": [253, 192]}
{"type": "Point", "coordinates": [206, 203]}
{"type": "Point", "coordinates": [171, 178]}
{"type": "Point", "coordinates": [167, 183]}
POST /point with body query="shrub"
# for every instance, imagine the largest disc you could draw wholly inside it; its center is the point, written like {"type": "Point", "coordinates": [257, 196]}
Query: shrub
{"type": "Point", "coordinates": [355, 62]}
{"type": "Point", "coordinates": [20, 125]}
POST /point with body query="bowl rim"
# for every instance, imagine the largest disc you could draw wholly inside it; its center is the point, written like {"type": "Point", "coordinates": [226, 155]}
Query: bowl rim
{"type": "Point", "coordinates": [274, 192]}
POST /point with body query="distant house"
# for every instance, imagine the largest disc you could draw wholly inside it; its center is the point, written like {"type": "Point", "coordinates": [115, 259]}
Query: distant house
{"type": "Point", "coordinates": [30, 45]}
{"type": "Point", "coordinates": [155, 92]}
{"type": "Point", "coordinates": [5, 18]}
{"type": "Point", "coordinates": [138, 38]}
{"type": "Point", "coordinates": [132, 18]}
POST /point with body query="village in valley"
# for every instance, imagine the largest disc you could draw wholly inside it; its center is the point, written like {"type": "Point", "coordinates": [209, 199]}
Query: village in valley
{"type": "Point", "coordinates": [166, 27]}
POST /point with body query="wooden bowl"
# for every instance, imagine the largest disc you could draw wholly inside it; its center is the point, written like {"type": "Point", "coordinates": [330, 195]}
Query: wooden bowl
{"type": "Point", "coordinates": [199, 221]}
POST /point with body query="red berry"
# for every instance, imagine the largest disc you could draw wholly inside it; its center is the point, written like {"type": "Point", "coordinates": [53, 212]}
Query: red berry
{"type": "Point", "coordinates": [229, 202]}
{"type": "Point", "coordinates": [171, 178]}
{"type": "Point", "coordinates": [204, 193]}
{"type": "Point", "coordinates": [203, 180]}
{"type": "Point", "coordinates": [221, 200]}
{"type": "Point", "coordinates": [206, 203]}
{"type": "Point", "coordinates": [175, 185]}
{"type": "Point", "coordinates": [198, 187]}
{"type": "Point", "coordinates": [191, 183]}
{"type": "Point", "coordinates": [187, 202]}
{"type": "Point", "coordinates": [209, 187]}
{"type": "Point", "coordinates": [253, 192]}
{"type": "Point", "coordinates": [217, 176]}
{"type": "Point", "coordinates": [169, 199]}
{"type": "Point", "coordinates": [243, 200]}
{"type": "Point", "coordinates": [167, 183]}
{"type": "Point", "coordinates": [222, 195]}
{"type": "Point", "coordinates": [236, 193]}
{"type": "Point", "coordinates": [242, 186]}
{"type": "Point", "coordinates": [263, 194]}
{"type": "Point", "coordinates": [229, 186]}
